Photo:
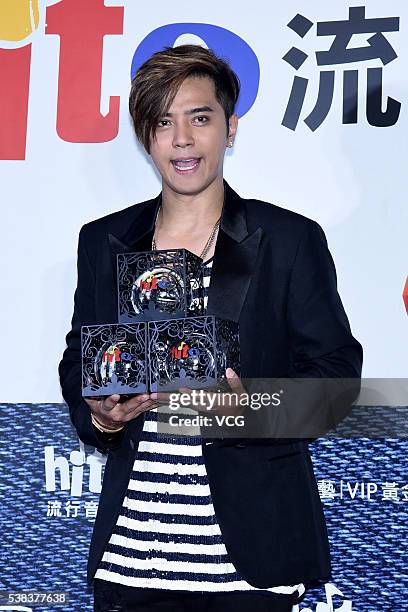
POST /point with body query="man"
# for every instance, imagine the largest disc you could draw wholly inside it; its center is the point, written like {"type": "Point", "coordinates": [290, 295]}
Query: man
{"type": "Point", "coordinates": [259, 537]}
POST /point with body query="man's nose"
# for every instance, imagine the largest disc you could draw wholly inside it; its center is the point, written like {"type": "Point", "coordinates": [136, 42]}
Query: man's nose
{"type": "Point", "coordinates": [183, 135]}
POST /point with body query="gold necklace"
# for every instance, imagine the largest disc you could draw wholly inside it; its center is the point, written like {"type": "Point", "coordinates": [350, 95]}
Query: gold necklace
{"type": "Point", "coordinates": [207, 244]}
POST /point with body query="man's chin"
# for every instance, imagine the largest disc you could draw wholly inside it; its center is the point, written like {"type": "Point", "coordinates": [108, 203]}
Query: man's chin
{"type": "Point", "coordinates": [189, 185]}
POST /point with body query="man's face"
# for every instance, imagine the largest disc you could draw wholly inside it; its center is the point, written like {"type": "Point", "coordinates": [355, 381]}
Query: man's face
{"type": "Point", "coordinates": [190, 142]}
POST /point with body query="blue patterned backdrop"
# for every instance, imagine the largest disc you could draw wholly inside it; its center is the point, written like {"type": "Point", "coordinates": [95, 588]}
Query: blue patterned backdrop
{"type": "Point", "coordinates": [46, 519]}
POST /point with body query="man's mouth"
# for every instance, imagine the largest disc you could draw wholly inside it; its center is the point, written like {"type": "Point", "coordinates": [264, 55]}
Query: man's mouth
{"type": "Point", "coordinates": [185, 166]}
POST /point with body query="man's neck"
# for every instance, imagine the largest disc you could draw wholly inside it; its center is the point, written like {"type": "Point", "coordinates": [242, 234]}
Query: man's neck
{"type": "Point", "coordinates": [186, 214]}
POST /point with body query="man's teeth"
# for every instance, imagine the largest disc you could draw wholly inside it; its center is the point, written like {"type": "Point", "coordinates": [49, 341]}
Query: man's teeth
{"type": "Point", "coordinates": [187, 164]}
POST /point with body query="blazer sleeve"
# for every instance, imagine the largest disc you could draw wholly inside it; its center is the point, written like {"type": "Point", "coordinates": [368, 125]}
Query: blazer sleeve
{"type": "Point", "coordinates": [321, 340]}
{"type": "Point", "coordinates": [70, 367]}
{"type": "Point", "coordinates": [322, 345]}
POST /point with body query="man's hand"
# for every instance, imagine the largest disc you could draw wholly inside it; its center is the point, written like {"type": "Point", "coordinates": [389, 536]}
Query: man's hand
{"type": "Point", "coordinates": [113, 413]}
{"type": "Point", "coordinates": [222, 403]}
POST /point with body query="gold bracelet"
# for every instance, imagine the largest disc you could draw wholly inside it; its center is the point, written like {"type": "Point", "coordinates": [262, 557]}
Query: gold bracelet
{"type": "Point", "coordinates": [103, 428]}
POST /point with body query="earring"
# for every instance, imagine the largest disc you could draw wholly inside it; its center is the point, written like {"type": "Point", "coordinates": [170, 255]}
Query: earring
{"type": "Point", "coordinates": [230, 143]}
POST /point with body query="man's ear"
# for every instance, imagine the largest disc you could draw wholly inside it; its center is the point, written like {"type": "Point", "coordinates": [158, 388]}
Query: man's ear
{"type": "Point", "coordinates": [233, 125]}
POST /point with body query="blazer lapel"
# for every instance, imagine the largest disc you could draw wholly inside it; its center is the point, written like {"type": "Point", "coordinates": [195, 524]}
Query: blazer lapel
{"type": "Point", "coordinates": [234, 256]}
{"type": "Point", "coordinates": [234, 259]}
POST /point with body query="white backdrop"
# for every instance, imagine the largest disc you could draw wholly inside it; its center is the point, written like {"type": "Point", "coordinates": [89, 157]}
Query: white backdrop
{"type": "Point", "coordinates": [352, 178]}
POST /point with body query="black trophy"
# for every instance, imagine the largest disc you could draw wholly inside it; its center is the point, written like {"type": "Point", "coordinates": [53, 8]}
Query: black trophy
{"type": "Point", "coordinates": [191, 352]}
{"type": "Point", "coordinates": [160, 284]}
{"type": "Point", "coordinates": [114, 359]}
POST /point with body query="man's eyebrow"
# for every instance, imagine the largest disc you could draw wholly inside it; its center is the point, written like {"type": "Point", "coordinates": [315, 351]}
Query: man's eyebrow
{"type": "Point", "coordinates": [192, 111]}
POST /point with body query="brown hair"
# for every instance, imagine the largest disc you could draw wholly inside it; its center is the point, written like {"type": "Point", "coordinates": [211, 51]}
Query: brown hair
{"type": "Point", "coordinates": [157, 81]}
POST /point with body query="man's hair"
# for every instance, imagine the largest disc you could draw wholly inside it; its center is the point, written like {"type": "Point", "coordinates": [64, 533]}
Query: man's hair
{"type": "Point", "coordinates": [157, 81]}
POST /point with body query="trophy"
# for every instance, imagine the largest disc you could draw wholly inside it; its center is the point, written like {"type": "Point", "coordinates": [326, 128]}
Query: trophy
{"type": "Point", "coordinates": [114, 359]}
{"type": "Point", "coordinates": [160, 284]}
{"type": "Point", "coordinates": [191, 352]}
{"type": "Point", "coordinates": [163, 340]}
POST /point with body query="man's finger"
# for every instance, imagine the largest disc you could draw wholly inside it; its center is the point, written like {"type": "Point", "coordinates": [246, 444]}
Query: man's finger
{"type": "Point", "coordinates": [110, 402]}
{"type": "Point", "coordinates": [141, 407]}
{"type": "Point", "coordinates": [161, 396]}
{"type": "Point", "coordinates": [234, 381]}
{"type": "Point", "coordinates": [134, 403]}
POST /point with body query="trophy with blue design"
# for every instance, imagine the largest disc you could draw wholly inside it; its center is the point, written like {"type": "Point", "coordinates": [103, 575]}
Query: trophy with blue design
{"type": "Point", "coordinates": [159, 284]}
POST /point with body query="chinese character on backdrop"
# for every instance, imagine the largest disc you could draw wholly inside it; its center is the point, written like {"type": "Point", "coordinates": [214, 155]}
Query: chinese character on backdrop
{"type": "Point", "coordinates": [378, 48]}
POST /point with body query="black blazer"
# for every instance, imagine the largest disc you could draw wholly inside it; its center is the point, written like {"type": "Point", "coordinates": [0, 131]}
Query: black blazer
{"type": "Point", "coordinates": [273, 273]}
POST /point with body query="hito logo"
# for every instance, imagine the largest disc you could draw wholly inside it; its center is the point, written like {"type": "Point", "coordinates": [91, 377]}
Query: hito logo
{"type": "Point", "coordinates": [328, 606]}
{"type": "Point", "coordinates": [73, 479]}
{"type": "Point", "coordinates": [81, 26]}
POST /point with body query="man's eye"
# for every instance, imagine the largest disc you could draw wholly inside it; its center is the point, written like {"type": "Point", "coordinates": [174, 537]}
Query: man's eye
{"type": "Point", "coordinates": [162, 121]}
{"type": "Point", "coordinates": [201, 119]}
